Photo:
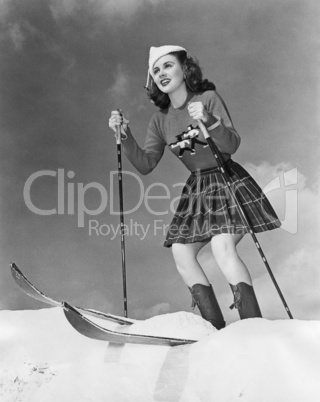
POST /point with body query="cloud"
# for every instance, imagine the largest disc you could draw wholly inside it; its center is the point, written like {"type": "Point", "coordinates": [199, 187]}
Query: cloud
{"type": "Point", "coordinates": [296, 269]}
{"type": "Point", "coordinates": [264, 172]}
{"type": "Point", "coordinates": [120, 87]}
{"type": "Point", "coordinates": [63, 8]}
{"type": "Point", "coordinates": [280, 179]}
{"type": "Point", "coordinates": [286, 188]}
{"type": "Point", "coordinates": [20, 32]}
{"type": "Point", "coordinates": [16, 36]}
{"type": "Point", "coordinates": [298, 277]}
{"type": "Point", "coordinates": [4, 8]}
{"type": "Point", "coordinates": [107, 8]}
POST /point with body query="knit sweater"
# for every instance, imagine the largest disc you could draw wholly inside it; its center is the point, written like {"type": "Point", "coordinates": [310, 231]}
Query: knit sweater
{"type": "Point", "coordinates": [176, 129]}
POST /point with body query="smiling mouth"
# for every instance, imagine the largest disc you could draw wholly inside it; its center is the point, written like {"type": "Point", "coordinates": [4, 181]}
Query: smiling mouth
{"type": "Point", "coordinates": [165, 82]}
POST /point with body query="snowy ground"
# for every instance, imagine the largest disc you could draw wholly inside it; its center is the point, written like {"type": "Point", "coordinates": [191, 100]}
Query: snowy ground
{"type": "Point", "coordinates": [42, 358]}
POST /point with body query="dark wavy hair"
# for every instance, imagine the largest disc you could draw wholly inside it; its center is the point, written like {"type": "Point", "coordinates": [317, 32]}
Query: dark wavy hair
{"type": "Point", "coordinates": [193, 78]}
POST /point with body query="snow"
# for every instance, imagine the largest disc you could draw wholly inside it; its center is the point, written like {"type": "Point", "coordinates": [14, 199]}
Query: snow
{"type": "Point", "coordinates": [174, 325]}
{"type": "Point", "coordinates": [43, 359]}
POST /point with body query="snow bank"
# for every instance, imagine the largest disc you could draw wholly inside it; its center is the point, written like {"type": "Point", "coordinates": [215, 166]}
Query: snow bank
{"type": "Point", "coordinates": [174, 325]}
{"type": "Point", "coordinates": [43, 359]}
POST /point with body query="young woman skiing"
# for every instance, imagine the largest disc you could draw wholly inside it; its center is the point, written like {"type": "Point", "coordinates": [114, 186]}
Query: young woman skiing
{"type": "Point", "coordinates": [206, 212]}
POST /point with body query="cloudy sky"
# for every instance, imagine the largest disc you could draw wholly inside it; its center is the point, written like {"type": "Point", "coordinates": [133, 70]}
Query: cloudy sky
{"type": "Point", "coordinates": [65, 64]}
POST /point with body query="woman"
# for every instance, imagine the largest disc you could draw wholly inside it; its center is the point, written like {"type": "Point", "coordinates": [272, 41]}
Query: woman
{"type": "Point", "coordinates": [206, 212]}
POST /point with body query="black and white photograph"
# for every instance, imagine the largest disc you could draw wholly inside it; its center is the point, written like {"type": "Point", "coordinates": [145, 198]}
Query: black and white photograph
{"type": "Point", "coordinates": [159, 202]}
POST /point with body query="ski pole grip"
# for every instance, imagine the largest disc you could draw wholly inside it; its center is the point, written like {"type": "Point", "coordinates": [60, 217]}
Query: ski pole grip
{"type": "Point", "coordinates": [118, 133]}
{"type": "Point", "coordinates": [203, 129]}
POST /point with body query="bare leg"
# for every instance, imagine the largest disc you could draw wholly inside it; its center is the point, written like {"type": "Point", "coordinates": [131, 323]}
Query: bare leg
{"type": "Point", "coordinates": [225, 252]}
{"type": "Point", "coordinates": [185, 257]}
{"type": "Point", "coordinates": [237, 274]}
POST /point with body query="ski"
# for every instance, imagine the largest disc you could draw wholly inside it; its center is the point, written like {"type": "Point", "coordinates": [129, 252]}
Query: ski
{"type": "Point", "coordinates": [28, 288]}
{"type": "Point", "coordinates": [94, 331]}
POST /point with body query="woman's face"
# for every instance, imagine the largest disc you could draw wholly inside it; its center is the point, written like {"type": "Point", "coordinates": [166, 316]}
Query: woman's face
{"type": "Point", "coordinates": [168, 74]}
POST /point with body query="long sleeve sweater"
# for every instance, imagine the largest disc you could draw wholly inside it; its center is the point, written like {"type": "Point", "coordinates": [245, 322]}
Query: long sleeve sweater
{"type": "Point", "coordinates": [176, 129]}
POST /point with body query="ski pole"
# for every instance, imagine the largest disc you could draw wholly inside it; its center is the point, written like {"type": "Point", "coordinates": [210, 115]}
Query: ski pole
{"type": "Point", "coordinates": [241, 210]}
{"type": "Point", "coordinates": [123, 250]}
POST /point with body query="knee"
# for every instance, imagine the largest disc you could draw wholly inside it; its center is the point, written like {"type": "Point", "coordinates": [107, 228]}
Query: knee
{"type": "Point", "coordinates": [178, 254]}
{"type": "Point", "coordinates": [182, 255]}
{"type": "Point", "coordinates": [224, 250]}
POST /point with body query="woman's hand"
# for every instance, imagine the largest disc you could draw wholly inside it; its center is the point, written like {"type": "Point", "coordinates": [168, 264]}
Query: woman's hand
{"type": "Point", "coordinates": [117, 119]}
{"type": "Point", "coordinates": [198, 112]}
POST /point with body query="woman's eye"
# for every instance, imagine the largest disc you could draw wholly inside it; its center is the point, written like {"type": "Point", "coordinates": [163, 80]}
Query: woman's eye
{"type": "Point", "coordinates": [156, 70]}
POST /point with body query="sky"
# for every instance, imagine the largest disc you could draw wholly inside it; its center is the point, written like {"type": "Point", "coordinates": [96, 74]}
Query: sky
{"type": "Point", "coordinates": [66, 64]}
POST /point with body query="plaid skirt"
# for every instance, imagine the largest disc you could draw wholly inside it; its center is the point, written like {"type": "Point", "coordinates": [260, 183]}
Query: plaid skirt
{"type": "Point", "coordinates": [207, 207]}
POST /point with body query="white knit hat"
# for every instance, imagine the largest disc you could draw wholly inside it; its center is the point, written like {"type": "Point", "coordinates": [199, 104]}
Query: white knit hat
{"type": "Point", "coordinates": [157, 52]}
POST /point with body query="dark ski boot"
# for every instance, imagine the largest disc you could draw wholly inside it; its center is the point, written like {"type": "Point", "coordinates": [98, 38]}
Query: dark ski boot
{"type": "Point", "coordinates": [204, 297]}
{"type": "Point", "coordinates": [245, 301]}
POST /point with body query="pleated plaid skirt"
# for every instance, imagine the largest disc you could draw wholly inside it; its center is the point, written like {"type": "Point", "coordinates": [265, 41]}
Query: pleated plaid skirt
{"type": "Point", "coordinates": [207, 207]}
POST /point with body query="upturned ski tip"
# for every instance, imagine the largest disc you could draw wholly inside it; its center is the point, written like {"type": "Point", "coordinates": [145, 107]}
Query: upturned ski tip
{"type": "Point", "coordinates": [13, 265]}
{"type": "Point", "coordinates": [92, 330]}
{"type": "Point", "coordinates": [29, 289]}
{"type": "Point", "coordinates": [14, 268]}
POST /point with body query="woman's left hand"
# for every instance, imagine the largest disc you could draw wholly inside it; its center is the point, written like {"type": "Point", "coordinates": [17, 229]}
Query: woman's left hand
{"type": "Point", "coordinates": [198, 112]}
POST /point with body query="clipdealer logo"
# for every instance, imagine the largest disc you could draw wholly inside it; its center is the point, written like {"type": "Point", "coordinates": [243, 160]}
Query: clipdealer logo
{"type": "Point", "coordinates": [75, 195]}
{"type": "Point", "coordinates": [71, 200]}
